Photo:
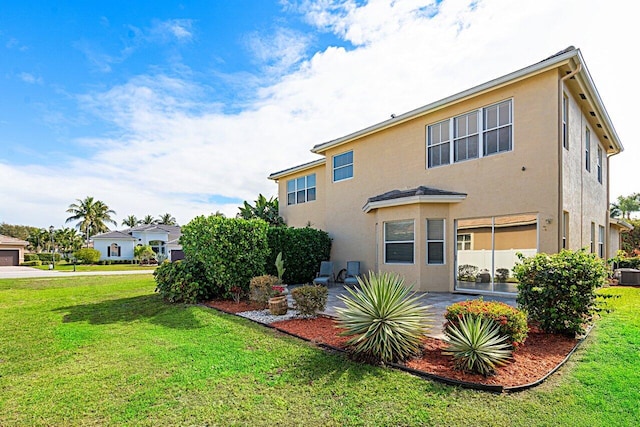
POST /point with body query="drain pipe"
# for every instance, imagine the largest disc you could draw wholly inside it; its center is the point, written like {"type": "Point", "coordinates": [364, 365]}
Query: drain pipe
{"type": "Point", "coordinates": [560, 155]}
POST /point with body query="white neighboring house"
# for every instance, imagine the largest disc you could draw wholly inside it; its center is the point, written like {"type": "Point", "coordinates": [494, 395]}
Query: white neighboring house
{"type": "Point", "coordinates": [119, 245]}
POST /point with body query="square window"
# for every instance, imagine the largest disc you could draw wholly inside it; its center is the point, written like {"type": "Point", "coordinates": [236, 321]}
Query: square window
{"type": "Point", "coordinates": [343, 166]}
{"type": "Point", "coordinates": [398, 242]}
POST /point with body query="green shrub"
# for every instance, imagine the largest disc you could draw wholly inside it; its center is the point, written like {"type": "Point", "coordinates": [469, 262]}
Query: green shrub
{"type": "Point", "coordinates": [385, 319]}
{"type": "Point", "coordinates": [86, 255]}
{"type": "Point", "coordinates": [34, 263]}
{"type": "Point", "coordinates": [476, 345]}
{"type": "Point", "coordinates": [310, 299]}
{"type": "Point", "coordinates": [181, 281]}
{"type": "Point", "coordinates": [502, 274]}
{"type": "Point", "coordinates": [31, 257]}
{"type": "Point", "coordinates": [511, 321]}
{"type": "Point", "coordinates": [467, 272]}
{"type": "Point", "coordinates": [261, 288]}
{"type": "Point", "coordinates": [231, 250]}
{"type": "Point", "coordinates": [46, 257]}
{"type": "Point", "coordinates": [559, 291]}
{"type": "Point", "coordinates": [302, 250]}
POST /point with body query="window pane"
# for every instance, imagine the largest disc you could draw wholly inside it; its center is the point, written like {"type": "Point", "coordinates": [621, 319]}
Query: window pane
{"type": "Point", "coordinates": [343, 173]}
{"type": "Point", "coordinates": [301, 196]}
{"type": "Point", "coordinates": [504, 113]}
{"type": "Point", "coordinates": [435, 229]}
{"type": "Point", "coordinates": [504, 139]}
{"type": "Point", "coordinates": [291, 186]}
{"type": "Point", "coordinates": [399, 252]}
{"type": "Point", "coordinates": [472, 147]}
{"type": "Point", "coordinates": [490, 117]}
{"type": "Point", "coordinates": [472, 122]}
{"type": "Point", "coordinates": [435, 253]}
{"type": "Point", "coordinates": [311, 194]}
{"type": "Point", "coordinates": [444, 154]}
{"type": "Point", "coordinates": [291, 198]}
{"type": "Point", "coordinates": [398, 230]}
{"type": "Point", "coordinates": [460, 126]}
{"type": "Point", "coordinates": [434, 135]}
{"type": "Point", "coordinates": [434, 156]}
{"type": "Point", "coordinates": [300, 183]}
{"type": "Point", "coordinates": [311, 180]}
{"type": "Point", "coordinates": [490, 142]}
{"type": "Point", "coordinates": [343, 159]}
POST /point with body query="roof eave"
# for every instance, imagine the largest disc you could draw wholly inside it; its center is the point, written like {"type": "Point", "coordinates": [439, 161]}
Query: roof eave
{"type": "Point", "coordinates": [300, 168]}
{"type": "Point", "coordinates": [402, 201]}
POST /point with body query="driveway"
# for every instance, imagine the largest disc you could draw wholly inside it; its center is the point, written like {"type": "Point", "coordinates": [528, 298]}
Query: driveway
{"type": "Point", "coordinates": [27, 272]}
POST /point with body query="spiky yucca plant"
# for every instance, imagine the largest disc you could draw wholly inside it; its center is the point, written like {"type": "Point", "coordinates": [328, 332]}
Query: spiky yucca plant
{"type": "Point", "coordinates": [476, 345]}
{"type": "Point", "coordinates": [384, 317]}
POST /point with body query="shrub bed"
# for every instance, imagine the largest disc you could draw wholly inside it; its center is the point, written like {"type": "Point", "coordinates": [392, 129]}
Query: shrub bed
{"type": "Point", "coordinates": [302, 251]}
{"type": "Point", "coordinates": [310, 299]}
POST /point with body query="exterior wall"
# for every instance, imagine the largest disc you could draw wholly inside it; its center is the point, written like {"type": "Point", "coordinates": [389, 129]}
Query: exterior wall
{"type": "Point", "coordinates": [300, 215]}
{"type": "Point", "coordinates": [11, 247]}
{"type": "Point", "coordinates": [144, 237]}
{"type": "Point", "coordinates": [583, 197]}
{"type": "Point", "coordinates": [126, 248]}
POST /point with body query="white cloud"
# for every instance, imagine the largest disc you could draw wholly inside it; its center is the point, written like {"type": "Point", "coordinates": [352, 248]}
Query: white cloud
{"type": "Point", "coordinates": [173, 151]}
{"type": "Point", "coordinates": [30, 78]}
{"type": "Point", "coordinates": [279, 52]}
{"type": "Point", "coordinates": [173, 29]}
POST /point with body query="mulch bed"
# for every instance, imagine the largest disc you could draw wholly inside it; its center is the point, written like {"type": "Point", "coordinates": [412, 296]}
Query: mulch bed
{"type": "Point", "coordinates": [233, 307]}
{"type": "Point", "coordinates": [540, 354]}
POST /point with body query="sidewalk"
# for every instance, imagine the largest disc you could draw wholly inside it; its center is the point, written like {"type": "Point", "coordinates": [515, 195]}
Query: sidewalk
{"type": "Point", "coordinates": [29, 272]}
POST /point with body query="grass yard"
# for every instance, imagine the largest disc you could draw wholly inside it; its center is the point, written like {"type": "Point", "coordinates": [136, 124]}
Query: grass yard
{"type": "Point", "coordinates": [95, 350]}
{"type": "Point", "coordinates": [96, 267]}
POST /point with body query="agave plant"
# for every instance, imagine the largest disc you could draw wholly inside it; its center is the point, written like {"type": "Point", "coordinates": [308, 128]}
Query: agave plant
{"type": "Point", "coordinates": [385, 318]}
{"type": "Point", "coordinates": [476, 345]}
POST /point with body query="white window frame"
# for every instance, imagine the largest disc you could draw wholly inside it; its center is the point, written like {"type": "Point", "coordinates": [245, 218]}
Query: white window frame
{"type": "Point", "coordinates": [305, 188]}
{"type": "Point", "coordinates": [599, 164]}
{"type": "Point", "coordinates": [565, 230]}
{"type": "Point", "coordinates": [482, 130]}
{"type": "Point", "coordinates": [466, 135]}
{"type": "Point", "coordinates": [601, 235]}
{"type": "Point", "coordinates": [443, 241]}
{"type": "Point", "coordinates": [565, 121]}
{"type": "Point", "coordinates": [413, 242]}
{"type": "Point", "coordinates": [464, 242]}
{"type": "Point", "coordinates": [587, 149]}
{"type": "Point", "coordinates": [334, 168]}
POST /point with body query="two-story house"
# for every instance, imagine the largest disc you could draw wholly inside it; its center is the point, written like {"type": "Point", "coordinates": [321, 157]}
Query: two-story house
{"type": "Point", "coordinates": [449, 193]}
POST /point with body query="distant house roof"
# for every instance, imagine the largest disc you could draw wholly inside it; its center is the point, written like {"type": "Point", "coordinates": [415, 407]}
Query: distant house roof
{"type": "Point", "coordinates": [419, 194]}
{"type": "Point", "coordinates": [8, 240]}
{"type": "Point", "coordinates": [174, 232]}
{"type": "Point", "coordinates": [113, 235]}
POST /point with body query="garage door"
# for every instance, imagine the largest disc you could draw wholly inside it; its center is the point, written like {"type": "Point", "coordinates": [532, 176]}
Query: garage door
{"type": "Point", "coordinates": [177, 255]}
{"type": "Point", "coordinates": [9, 257]}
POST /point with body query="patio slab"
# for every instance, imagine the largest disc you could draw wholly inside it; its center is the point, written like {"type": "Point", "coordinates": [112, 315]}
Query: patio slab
{"type": "Point", "coordinates": [437, 301]}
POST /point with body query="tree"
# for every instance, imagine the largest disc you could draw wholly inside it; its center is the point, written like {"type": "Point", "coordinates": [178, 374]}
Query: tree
{"type": "Point", "coordinates": [148, 220]}
{"type": "Point", "coordinates": [91, 216]}
{"type": "Point", "coordinates": [21, 232]}
{"type": "Point", "coordinates": [631, 240]}
{"type": "Point", "coordinates": [167, 219]}
{"type": "Point", "coordinates": [68, 240]}
{"type": "Point", "coordinates": [130, 221]}
{"type": "Point", "coordinates": [264, 209]}
{"type": "Point", "coordinates": [625, 206]}
{"type": "Point", "coordinates": [38, 239]}
{"type": "Point", "coordinates": [144, 253]}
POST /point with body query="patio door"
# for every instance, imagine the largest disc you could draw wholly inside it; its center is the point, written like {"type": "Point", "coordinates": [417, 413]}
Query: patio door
{"type": "Point", "coordinates": [486, 251]}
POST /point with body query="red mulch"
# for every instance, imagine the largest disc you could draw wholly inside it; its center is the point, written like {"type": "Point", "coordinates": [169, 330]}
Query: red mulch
{"type": "Point", "coordinates": [540, 353]}
{"type": "Point", "coordinates": [538, 356]}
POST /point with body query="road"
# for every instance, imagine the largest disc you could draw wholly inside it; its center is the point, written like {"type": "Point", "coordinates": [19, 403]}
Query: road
{"type": "Point", "coordinates": [27, 272]}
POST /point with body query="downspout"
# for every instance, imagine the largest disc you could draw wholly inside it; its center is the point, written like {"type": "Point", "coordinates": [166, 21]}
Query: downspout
{"type": "Point", "coordinates": [561, 154]}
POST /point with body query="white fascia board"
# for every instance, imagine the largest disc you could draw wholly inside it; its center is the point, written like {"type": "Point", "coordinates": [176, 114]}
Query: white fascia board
{"type": "Point", "coordinates": [411, 200]}
{"type": "Point", "coordinates": [277, 175]}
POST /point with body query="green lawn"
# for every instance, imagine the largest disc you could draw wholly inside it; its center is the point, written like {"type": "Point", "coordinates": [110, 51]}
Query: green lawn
{"type": "Point", "coordinates": [92, 267]}
{"type": "Point", "coordinates": [96, 350]}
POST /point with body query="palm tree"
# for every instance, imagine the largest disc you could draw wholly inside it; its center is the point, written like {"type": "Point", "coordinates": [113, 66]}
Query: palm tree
{"type": "Point", "coordinates": [263, 209]}
{"type": "Point", "coordinates": [92, 215]}
{"type": "Point", "coordinates": [629, 204]}
{"type": "Point", "coordinates": [68, 240]}
{"type": "Point", "coordinates": [148, 220]}
{"type": "Point", "coordinates": [130, 221]}
{"type": "Point", "coordinates": [167, 219]}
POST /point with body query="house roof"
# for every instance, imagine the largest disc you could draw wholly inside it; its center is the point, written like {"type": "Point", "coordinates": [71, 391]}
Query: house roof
{"type": "Point", "coordinates": [8, 240]}
{"type": "Point", "coordinates": [621, 223]}
{"type": "Point", "coordinates": [419, 194]}
{"type": "Point", "coordinates": [570, 57]}
{"type": "Point", "coordinates": [299, 168]}
{"type": "Point", "coordinates": [114, 235]}
{"type": "Point", "coordinates": [501, 221]}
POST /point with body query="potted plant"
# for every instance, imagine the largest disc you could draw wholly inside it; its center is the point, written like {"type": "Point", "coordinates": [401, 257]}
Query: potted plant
{"type": "Point", "coordinates": [278, 304]}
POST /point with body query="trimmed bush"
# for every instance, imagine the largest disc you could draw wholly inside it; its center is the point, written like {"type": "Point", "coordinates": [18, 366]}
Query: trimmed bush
{"type": "Point", "coordinates": [31, 257]}
{"type": "Point", "coordinates": [302, 251]}
{"type": "Point", "coordinates": [559, 291]}
{"type": "Point", "coordinates": [310, 299]}
{"type": "Point", "coordinates": [34, 263]}
{"type": "Point", "coordinates": [261, 288]}
{"type": "Point", "coordinates": [511, 322]}
{"type": "Point", "coordinates": [387, 320]}
{"type": "Point", "coordinates": [230, 250]}
{"type": "Point", "coordinates": [181, 281]}
{"type": "Point", "coordinates": [46, 257]}
{"type": "Point", "coordinates": [86, 255]}
{"type": "Point", "coordinates": [476, 345]}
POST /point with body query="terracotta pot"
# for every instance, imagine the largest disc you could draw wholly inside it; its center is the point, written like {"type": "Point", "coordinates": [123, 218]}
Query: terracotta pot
{"type": "Point", "coordinates": [278, 305]}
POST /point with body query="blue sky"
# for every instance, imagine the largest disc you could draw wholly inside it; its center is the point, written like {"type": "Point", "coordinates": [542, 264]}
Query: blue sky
{"type": "Point", "coordinates": [186, 107]}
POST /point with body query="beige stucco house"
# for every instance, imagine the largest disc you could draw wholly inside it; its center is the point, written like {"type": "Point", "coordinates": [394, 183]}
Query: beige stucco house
{"type": "Point", "coordinates": [449, 193]}
{"type": "Point", "coordinates": [11, 251]}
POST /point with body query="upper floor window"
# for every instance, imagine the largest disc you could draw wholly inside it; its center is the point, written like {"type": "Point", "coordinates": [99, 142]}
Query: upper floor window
{"type": "Point", "coordinates": [343, 166]}
{"type": "Point", "coordinates": [435, 241]}
{"type": "Point", "coordinates": [301, 190]}
{"type": "Point", "coordinates": [587, 150]}
{"type": "Point", "coordinates": [478, 133]}
{"type": "Point", "coordinates": [398, 242]}
{"type": "Point", "coordinates": [565, 121]}
{"type": "Point", "coordinates": [599, 165]}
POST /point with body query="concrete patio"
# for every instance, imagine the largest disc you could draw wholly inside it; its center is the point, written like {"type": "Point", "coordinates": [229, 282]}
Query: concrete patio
{"type": "Point", "coordinates": [437, 301]}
